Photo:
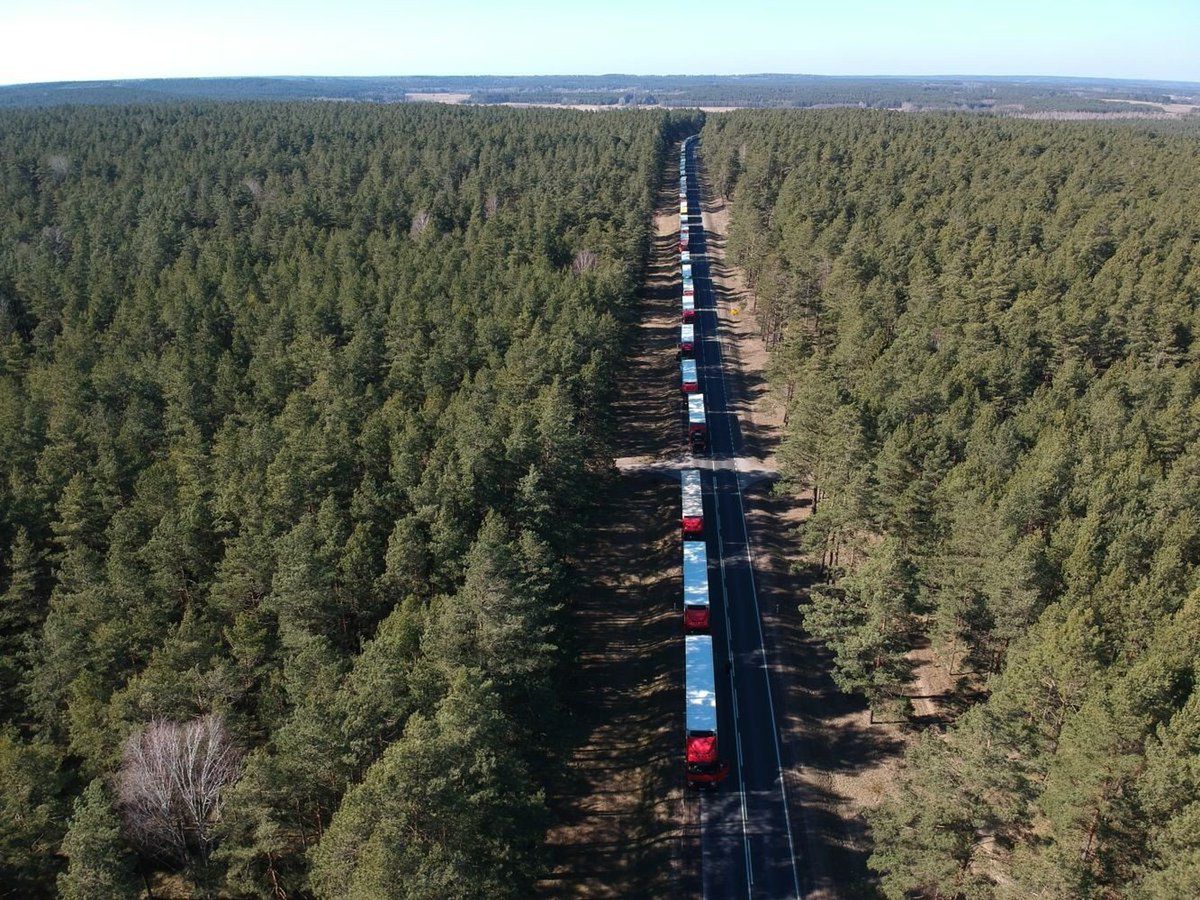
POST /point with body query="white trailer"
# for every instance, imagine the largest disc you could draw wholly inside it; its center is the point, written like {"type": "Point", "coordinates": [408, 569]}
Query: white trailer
{"type": "Point", "coordinates": [697, 422]}
{"type": "Point", "coordinates": [692, 520]}
{"type": "Point", "coordinates": [695, 586]}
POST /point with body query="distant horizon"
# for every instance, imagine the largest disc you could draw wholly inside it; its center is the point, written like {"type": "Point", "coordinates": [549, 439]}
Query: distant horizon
{"type": "Point", "coordinates": [930, 76]}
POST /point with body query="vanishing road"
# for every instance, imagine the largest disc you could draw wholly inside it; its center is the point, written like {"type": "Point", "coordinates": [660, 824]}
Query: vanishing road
{"type": "Point", "coordinates": [747, 845]}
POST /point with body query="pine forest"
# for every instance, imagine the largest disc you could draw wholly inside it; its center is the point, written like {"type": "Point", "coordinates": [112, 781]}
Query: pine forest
{"type": "Point", "coordinates": [301, 409]}
{"type": "Point", "coordinates": [986, 331]}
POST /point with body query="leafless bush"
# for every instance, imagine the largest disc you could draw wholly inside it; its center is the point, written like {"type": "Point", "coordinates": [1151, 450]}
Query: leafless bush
{"type": "Point", "coordinates": [260, 194]}
{"type": "Point", "coordinates": [170, 785]}
{"type": "Point", "coordinates": [585, 261]}
{"type": "Point", "coordinates": [56, 237]}
{"type": "Point", "coordinates": [420, 222]}
{"type": "Point", "coordinates": [58, 166]}
{"type": "Point", "coordinates": [253, 186]}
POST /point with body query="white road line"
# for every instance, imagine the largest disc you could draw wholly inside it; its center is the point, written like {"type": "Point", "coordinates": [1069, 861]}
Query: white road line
{"type": "Point", "coordinates": [737, 731]}
{"type": "Point", "coordinates": [754, 593]}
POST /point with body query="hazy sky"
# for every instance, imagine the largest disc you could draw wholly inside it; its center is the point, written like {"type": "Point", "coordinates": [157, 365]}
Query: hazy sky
{"type": "Point", "coordinates": [56, 40]}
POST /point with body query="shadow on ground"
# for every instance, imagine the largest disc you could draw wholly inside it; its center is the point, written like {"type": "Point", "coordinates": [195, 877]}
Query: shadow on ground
{"type": "Point", "coordinates": [622, 826]}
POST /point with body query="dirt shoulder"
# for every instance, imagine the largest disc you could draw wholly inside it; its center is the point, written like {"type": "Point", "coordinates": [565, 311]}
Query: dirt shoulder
{"type": "Point", "coordinates": [838, 763]}
{"type": "Point", "coordinates": [623, 829]}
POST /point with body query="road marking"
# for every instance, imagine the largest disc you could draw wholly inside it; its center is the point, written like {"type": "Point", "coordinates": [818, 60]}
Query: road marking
{"type": "Point", "coordinates": [737, 732]}
{"type": "Point", "coordinates": [757, 612]}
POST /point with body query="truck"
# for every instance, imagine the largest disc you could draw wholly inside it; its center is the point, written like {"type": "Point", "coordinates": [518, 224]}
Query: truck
{"type": "Point", "coordinates": [687, 339]}
{"type": "Point", "coordinates": [692, 520]}
{"type": "Point", "coordinates": [687, 371]}
{"type": "Point", "coordinates": [689, 305]}
{"type": "Point", "coordinates": [695, 586]}
{"type": "Point", "coordinates": [697, 423]}
{"type": "Point", "coordinates": [702, 762]}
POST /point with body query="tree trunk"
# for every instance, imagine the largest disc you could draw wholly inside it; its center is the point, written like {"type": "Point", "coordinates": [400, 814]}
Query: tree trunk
{"type": "Point", "coordinates": [1086, 852]}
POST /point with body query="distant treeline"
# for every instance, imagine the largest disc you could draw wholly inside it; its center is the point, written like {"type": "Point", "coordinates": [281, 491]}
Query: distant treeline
{"type": "Point", "coordinates": [303, 409]}
{"type": "Point", "coordinates": [987, 333]}
{"type": "Point", "coordinates": [769, 90]}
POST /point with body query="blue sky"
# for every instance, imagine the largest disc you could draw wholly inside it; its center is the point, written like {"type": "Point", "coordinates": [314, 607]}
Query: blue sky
{"type": "Point", "coordinates": [54, 40]}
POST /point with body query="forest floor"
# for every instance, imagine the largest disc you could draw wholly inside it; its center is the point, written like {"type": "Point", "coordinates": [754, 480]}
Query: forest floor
{"type": "Point", "coordinates": [623, 829]}
{"type": "Point", "coordinates": [838, 762]}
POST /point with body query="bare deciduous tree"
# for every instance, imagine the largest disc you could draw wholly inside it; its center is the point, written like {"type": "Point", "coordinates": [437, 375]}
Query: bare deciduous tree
{"type": "Point", "coordinates": [170, 785]}
{"type": "Point", "coordinates": [585, 261]}
{"type": "Point", "coordinates": [258, 193]}
{"type": "Point", "coordinates": [490, 205]}
{"type": "Point", "coordinates": [58, 165]}
{"type": "Point", "coordinates": [420, 222]}
{"type": "Point", "coordinates": [56, 237]}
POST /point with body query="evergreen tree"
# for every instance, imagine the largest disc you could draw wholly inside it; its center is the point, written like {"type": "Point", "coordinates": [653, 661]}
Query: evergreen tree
{"type": "Point", "coordinates": [447, 811]}
{"type": "Point", "coordinates": [98, 864]}
{"type": "Point", "coordinates": [31, 817]}
{"type": "Point", "coordinates": [21, 611]}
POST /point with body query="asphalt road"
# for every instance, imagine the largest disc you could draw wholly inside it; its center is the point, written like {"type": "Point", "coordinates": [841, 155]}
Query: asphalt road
{"type": "Point", "coordinates": [747, 845]}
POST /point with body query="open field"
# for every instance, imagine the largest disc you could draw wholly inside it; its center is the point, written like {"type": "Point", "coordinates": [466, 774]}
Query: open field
{"type": "Point", "coordinates": [436, 97]}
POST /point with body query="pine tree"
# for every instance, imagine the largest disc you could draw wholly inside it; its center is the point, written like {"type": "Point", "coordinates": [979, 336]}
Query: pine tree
{"type": "Point", "coordinates": [411, 830]}
{"type": "Point", "coordinates": [21, 611]}
{"type": "Point", "coordinates": [99, 866]}
{"type": "Point", "coordinates": [866, 621]}
{"type": "Point", "coordinates": [31, 817]}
